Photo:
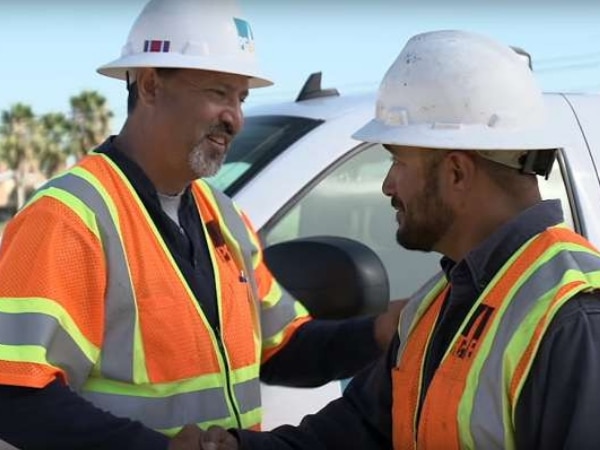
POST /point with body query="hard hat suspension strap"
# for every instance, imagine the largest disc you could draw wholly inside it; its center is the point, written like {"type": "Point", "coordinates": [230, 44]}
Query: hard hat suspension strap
{"type": "Point", "coordinates": [539, 162]}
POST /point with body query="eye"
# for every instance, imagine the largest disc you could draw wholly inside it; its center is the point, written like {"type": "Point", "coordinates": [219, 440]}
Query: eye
{"type": "Point", "coordinates": [219, 92]}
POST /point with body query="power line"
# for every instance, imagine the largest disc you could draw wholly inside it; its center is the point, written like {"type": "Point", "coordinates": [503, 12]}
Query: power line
{"type": "Point", "coordinates": [567, 67]}
{"type": "Point", "coordinates": [567, 58]}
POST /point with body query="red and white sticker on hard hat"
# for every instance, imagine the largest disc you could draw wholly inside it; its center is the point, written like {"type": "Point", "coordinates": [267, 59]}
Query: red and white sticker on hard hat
{"type": "Point", "coordinates": [156, 46]}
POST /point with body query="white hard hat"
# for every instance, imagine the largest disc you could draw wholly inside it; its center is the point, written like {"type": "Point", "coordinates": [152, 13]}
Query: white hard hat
{"type": "Point", "coordinates": [459, 90]}
{"type": "Point", "coordinates": [191, 34]}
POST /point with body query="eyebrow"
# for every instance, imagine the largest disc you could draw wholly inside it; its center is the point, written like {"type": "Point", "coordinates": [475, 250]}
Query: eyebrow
{"type": "Point", "coordinates": [230, 87]}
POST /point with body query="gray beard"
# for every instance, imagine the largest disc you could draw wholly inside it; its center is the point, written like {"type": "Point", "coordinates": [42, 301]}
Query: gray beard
{"type": "Point", "coordinates": [203, 163]}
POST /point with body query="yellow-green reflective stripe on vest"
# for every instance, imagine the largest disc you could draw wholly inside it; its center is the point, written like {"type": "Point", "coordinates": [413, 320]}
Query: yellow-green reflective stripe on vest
{"type": "Point", "coordinates": [40, 330]}
{"type": "Point", "coordinates": [117, 356]}
{"type": "Point", "coordinates": [486, 413]}
{"type": "Point", "coordinates": [158, 406]}
{"type": "Point", "coordinates": [274, 319]}
{"type": "Point", "coordinates": [496, 366]}
{"type": "Point", "coordinates": [490, 413]}
{"type": "Point", "coordinates": [416, 306]}
{"type": "Point", "coordinates": [165, 406]}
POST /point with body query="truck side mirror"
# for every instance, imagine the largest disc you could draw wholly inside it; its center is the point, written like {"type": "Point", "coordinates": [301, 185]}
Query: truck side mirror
{"type": "Point", "coordinates": [333, 277]}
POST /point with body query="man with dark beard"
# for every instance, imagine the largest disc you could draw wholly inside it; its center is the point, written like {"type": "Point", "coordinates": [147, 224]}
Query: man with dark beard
{"type": "Point", "coordinates": [501, 349]}
{"type": "Point", "coordinates": [135, 306]}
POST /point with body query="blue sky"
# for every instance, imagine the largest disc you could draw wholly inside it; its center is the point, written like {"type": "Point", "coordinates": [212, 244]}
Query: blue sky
{"type": "Point", "coordinates": [51, 48]}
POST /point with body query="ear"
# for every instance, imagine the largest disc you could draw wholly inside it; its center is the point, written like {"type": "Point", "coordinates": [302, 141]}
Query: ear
{"type": "Point", "coordinates": [147, 85]}
{"type": "Point", "coordinates": [460, 169]}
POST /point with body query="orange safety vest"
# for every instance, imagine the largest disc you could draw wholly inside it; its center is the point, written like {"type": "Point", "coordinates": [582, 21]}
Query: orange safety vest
{"type": "Point", "coordinates": [471, 401]}
{"type": "Point", "coordinates": [90, 293]}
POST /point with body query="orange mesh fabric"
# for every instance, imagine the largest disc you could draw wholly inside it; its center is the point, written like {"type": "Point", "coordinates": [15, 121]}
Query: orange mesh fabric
{"type": "Point", "coordinates": [176, 343]}
{"type": "Point", "coordinates": [47, 252]}
{"type": "Point", "coordinates": [28, 374]}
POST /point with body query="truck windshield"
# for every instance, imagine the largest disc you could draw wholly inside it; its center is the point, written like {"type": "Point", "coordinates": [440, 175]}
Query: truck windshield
{"type": "Point", "coordinates": [261, 140]}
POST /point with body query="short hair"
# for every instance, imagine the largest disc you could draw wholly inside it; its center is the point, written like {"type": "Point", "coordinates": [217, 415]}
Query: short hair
{"type": "Point", "coordinates": [132, 88]}
{"type": "Point", "coordinates": [512, 181]}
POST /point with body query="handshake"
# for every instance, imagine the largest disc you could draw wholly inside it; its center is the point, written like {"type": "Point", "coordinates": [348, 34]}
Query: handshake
{"type": "Point", "coordinates": [190, 437]}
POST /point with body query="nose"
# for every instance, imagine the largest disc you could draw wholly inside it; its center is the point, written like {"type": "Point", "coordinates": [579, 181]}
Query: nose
{"type": "Point", "coordinates": [233, 117]}
{"type": "Point", "coordinates": [387, 185]}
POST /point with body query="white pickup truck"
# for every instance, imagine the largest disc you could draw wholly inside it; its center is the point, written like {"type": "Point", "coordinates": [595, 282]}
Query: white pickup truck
{"type": "Point", "coordinates": [296, 171]}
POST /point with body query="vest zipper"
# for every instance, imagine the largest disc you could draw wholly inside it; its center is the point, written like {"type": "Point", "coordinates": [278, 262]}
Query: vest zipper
{"type": "Point", "coordinates": [227, 376]}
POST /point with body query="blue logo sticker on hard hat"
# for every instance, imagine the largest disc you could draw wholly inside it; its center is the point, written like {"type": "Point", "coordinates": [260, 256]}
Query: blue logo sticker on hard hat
{"type": "Point", "coordinates": [245, 35]}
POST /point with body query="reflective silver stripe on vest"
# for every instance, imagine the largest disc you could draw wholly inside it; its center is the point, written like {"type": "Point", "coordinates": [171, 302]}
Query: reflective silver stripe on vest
{"type": "Point", "coordinates": [247, 394]}
{"type": "Point", "coordinates": [120, 310]}
{"type": "Point", "coordinates": [487, 423]}
{"type": "Point", "coordinates": [162, 413]}
{"type": "Point", "coordinates": [273, 320]}
{"type": "Point", "coordinates": [238, 230]}
{"type": "Point", "coordinates": [410, 310]}
{"type": "Point", "coordinates": [42, 330]}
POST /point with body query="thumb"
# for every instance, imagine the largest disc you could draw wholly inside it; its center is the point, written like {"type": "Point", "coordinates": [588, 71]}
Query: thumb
{"type": "Point", "coordinates": [212, 437]}
{"type": "Point", "coordinates": [209, 441]}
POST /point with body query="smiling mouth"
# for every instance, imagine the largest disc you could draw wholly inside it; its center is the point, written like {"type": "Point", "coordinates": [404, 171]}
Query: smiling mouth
{"type": "Point", "coordinates": [219, 140]}
{"type": "Point", "coordinates": [400, 211]}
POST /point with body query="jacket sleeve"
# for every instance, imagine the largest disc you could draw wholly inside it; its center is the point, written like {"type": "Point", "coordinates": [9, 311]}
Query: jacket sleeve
{"type": "Point", "coordinates": [360, 419]}
{"type": "Point", "coordinates": [54, 417]}
{"type": "Point", "coordinates": [321, 351]}
{"type": "Point", "coordinates": [559, 405]}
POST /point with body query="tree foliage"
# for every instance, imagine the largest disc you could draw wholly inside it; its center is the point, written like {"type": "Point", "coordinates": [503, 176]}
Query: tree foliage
{"type": "Point", "coordinates": [42, 145]}
{"type": "Point", "coordinates": [90, 120]}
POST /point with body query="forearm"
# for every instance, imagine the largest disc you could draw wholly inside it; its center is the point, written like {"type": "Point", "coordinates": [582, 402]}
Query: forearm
{"type": "Point", "coordinates": [334, 427]}
{"type": "Point", "coordinates": [321, 351]}
{"type": "Point", "coordinates": [360, 419]}
{"type": "Point", "coordinates": [56, 417]}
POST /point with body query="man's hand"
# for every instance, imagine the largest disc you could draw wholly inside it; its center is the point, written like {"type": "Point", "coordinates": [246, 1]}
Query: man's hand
{"type": "Point", "coordinates": [386, 324]}
{"type": "Point", "coordinates": [217, 438]}
{"type": "Point", "coordinates": [188, 438]}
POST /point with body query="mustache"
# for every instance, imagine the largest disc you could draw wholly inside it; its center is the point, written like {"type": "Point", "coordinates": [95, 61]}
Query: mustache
{"type": "Point", "coordinates": [223, 129]}
{"type": "Point", "coordinates": [396, 204]}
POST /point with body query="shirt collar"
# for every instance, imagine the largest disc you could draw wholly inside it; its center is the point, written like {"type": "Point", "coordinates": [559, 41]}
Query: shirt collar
{"type": "Point", "coordinates": [484, 261]}
{"type": "Point", "coordinates": [142, 184]}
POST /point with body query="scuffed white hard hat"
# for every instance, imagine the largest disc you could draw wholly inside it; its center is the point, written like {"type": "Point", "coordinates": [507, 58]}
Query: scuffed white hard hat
{"type": "Point", "coordinates": [460, 90]}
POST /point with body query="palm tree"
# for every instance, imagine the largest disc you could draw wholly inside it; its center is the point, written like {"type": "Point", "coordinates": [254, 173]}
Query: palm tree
{"type": "Point", "coordinates": [56, 143]}
{"type": "Point", "coordinates": [91, 121]}
{"type": "Point", "coordinates": [20, 133]}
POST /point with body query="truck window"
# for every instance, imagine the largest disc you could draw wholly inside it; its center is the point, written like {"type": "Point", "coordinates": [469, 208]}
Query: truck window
{"type": "Point", "coordinates": [347, 201]}
{"type": "Point", "coordinates": [261, 140]}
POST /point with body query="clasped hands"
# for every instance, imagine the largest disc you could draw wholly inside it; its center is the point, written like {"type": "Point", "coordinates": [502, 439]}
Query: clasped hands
{"type": "Point", "coordinates": [190, 437]}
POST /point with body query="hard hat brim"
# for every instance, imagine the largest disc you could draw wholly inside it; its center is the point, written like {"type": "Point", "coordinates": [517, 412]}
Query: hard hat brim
{"type": "Point", "coordinates": [118, 67]}
{"type": "Point", "coordinates": [463, 137]}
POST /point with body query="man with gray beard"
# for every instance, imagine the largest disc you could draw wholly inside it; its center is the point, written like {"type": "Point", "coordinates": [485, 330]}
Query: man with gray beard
{"type": "Point", "coordinates": [135, 306]}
